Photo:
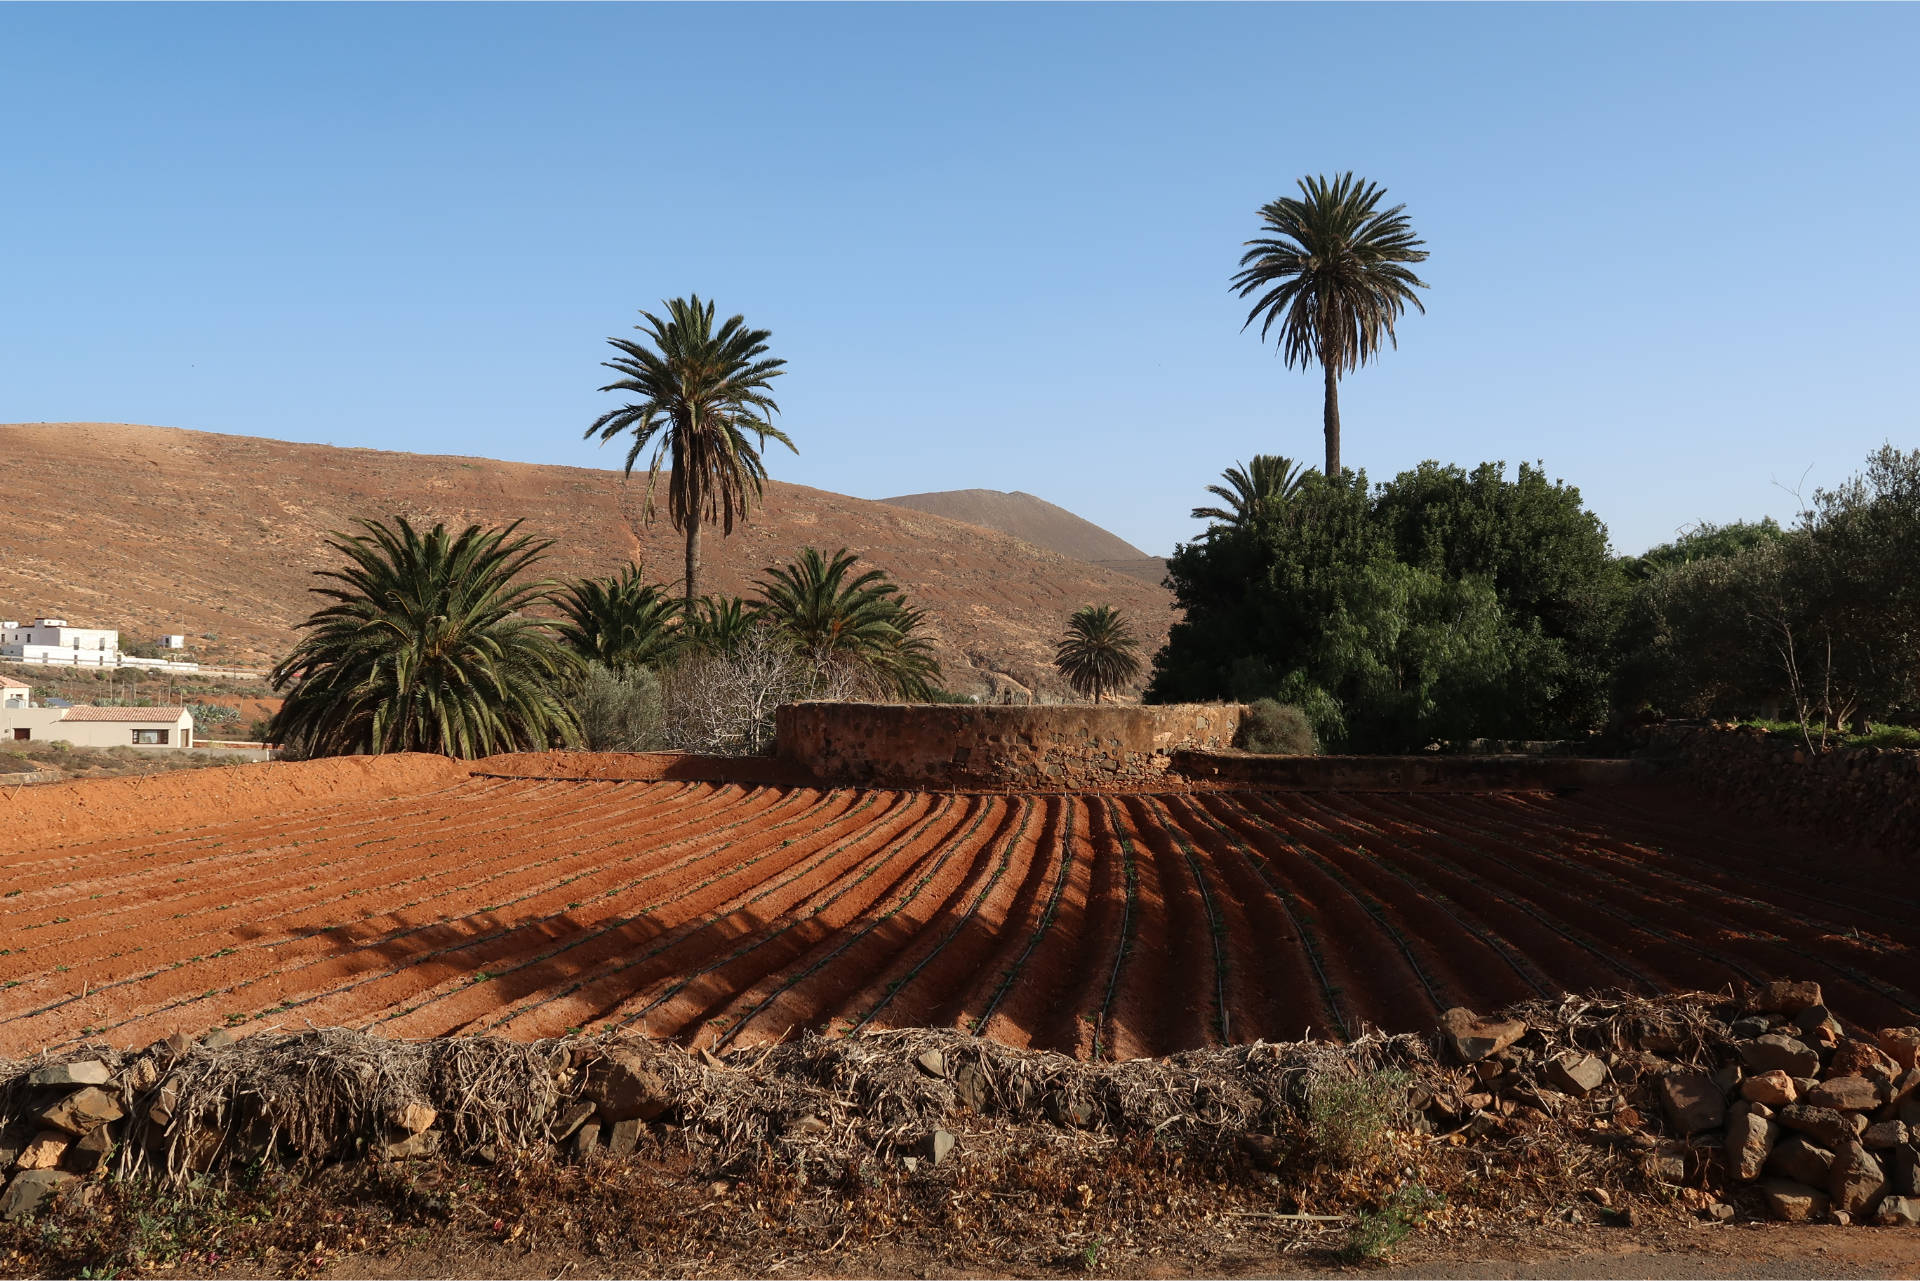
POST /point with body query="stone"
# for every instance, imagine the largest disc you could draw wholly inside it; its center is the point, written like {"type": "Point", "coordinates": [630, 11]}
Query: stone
{"type": "Point", "coordinates": [1828, 1128]}
{"type": "Point", "coordinates": [413, 1118]}
{"type": "Point", "coordinates": [625, 1088]}
{"type": "Point", "coordinates": [932, 1062]}
{"type": "Point", "coordinates": [1750, 1140]}
{"type": "Point", "coordinates": [218, 1039]}
{"type": "Point", "coordinates": [1845, 1094]}
{"type": "Point", "coordinates": [85, 1110]}
{"type": "Point", "coordinates": [936, 1147]}
{"type": "Point", "coordinates": [1720, 1212]}
{"type": "Point", "coordinates": [1898, 1212]}
{"type": "Point", "coordinates": [82, 1072]}
{"type": "Point", "coordinates": [1784, 997]}
{"type": "Point", "coordinates": [1909, 1111]}
{"type": "Point", "coordinates": [1901, 1044]}
{"type": "Point", "coordinates": [970, 1084]}
{"type": "Point", "coordinates": [165, 1099]}
{"type": "Point", "coordinates": [1577, 1074]}
{"type": "Point", "coordinates": [1861, 1058]}
{"type": "Point", "coordinates": [1802, 1084]}
{"type": "Point", "coordinates": [571, 1118]}
{"type": "Point", "coordinates": [805, 1125]}
{"type": "Point", "coordinates": [200, 1146]}
{"type": "Point", "coordinates": [29, 1190]}
{"type": "Point", "coordinates": [1727, 1077]}
{"type": "Point", "coordinates": [1857, 1181]}
{"type": "Point", "coordinates": [1886, 1134]}
{"type": "Point", "coordinates": [712, 1060]}
{"type": "Point", "coordinates": [1473, 1038]}
{"type": "Point", "coordinates": [179, 1045]}
{"type": "Point", "coordinates": [911, 1164]}
{"type": "Point", "coordinates": [1907, 1087]}
{"type": "Point", "coordinates": [1816, 1023]}
{"type": "Point", "coordinates": [44, 1151]}
{"type": "Point", "coordinates": [624, 1136]}
{"type": "Point", "coordinates": [586, 1138]}
{"type": "Point", "coordinates": [1793, 1202]}
{"type": "Point", "coordinates": [1693, 1103]}
{"type": "Point", "coordinates": [140, 1076]}
{"type": "Point", "coordinates": [414, 1145]}
{"type": "Point", "coordinates": [1803, 1162]}
{"type": "Point", "coordinates": [1766, 1053]}
{"type": "Point", "coordinates": [90, 1152]}
{"type": "Point", "coordinates": [1775, 1089]}
{"type": "Point", "coordinates": [1906, 1170]}
{"type": "Point", "coordinates": [1751, 1026]}
{"type": "Point", "coordinates": [1666, 1165]}
{"type": "Point", "coordinates": [1840, 1218]}
{"type": "Point", "coordinates": [1760, 1109]}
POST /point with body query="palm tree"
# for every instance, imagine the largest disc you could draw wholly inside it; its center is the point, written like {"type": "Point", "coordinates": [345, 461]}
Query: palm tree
{"type": "Point", "coordinates": [1259, 490]}
{"type": "Point", "coordinates": [1332, 273]}
{"type": "Point", "coordinates": [833, 616]}
{"type": "Point", "coordinates": [701, 392]}
{"type": "Point", "coordinates": [622, 621]}
{"type": "Point", "coordinates": [718, 624]}
{"type": "Point", "coordinates": [1098, 653]}
{"type": "Point", "coordinates": [425, 649]}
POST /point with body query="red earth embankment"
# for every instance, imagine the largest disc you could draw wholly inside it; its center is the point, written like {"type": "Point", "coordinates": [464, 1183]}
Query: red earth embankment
{"type": "Point", "coordinates": [100, 808]}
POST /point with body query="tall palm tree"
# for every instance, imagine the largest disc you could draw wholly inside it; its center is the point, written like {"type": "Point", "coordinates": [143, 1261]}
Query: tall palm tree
{"type": "Point", "coordinates": [622, 621]}
{"type": "Point", "coordinates": [701, 391]}
{"type": "Point", "coordinates": [425, 649]}
{"type": "Point", "coordinates": [1332, 273]}
{"type": "Point", "coordinates": [835, 616]}
{"type": "Point", "coordinates": [1098, 654]}
{"type": "Point", "coordinates": [1261, 489]}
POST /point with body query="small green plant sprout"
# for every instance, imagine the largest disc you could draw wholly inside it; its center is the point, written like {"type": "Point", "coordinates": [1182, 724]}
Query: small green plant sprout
{"type": "Point", "coordinates": [1090, 1256]}
{"type": "Point", "coordinates": [1375, 1233]}
{"type": "Point", "coordinates": [1346, 1118]}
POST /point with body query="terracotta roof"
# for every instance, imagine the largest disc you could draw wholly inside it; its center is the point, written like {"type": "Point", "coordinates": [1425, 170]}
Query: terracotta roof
{"type": "Point", "coordinates": [7, 682]}
{"type": "Point", "coordinates": [145, 715]}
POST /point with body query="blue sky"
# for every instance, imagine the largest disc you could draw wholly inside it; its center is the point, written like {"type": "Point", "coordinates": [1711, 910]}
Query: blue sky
{"type": "Point", "coordinates": [1671, 253]}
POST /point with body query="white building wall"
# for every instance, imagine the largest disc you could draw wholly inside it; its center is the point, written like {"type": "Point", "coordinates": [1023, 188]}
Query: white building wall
{"type": "Point", "coordinates": [44, 725]}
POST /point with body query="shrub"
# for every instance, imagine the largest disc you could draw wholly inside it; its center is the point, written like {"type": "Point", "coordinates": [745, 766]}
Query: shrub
{"type": "Point", "coordinates": [1375, 1233]}
{"type": "Point", "coordinates": [1346, 1119]}
{"type": "Point", "coordinates": [1275, 729]}
{"type": "Point", "coordinates": [619, 711]}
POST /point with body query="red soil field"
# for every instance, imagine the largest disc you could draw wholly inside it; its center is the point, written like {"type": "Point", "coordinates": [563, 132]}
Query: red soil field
{"type": "Point", "coordinates": [417, 897]}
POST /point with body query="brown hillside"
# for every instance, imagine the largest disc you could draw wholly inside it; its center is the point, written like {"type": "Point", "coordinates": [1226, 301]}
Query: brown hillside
{"type": "Point", "coordinates": [155, 529]}
{"type": "Point", "coordinates": [1034, 519]}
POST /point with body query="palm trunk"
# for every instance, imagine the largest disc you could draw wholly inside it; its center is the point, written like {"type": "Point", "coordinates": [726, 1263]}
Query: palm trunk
{"type": "Point", "coordinates": [693, 557]}
{"type": "Point", "coordinates": [1332, 420]}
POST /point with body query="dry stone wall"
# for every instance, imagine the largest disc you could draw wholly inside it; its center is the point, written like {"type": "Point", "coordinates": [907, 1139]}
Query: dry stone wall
{"type": "Point", "coordinates": [1863, 796]}
{"type": "Point", "coordinates": [994, 748]}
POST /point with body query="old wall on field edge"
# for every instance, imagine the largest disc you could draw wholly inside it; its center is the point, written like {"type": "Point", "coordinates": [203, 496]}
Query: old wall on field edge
{"type": "Point", "coordinates": [944, 745]}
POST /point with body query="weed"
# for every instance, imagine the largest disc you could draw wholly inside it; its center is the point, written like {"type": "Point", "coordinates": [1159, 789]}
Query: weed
{"type": "Point", "coordinates": [1347, 1118]}
{"type": "Point", "coordinates": [1090, 1256]}
{"type": "Point", "coordinates": [1375, 1233]}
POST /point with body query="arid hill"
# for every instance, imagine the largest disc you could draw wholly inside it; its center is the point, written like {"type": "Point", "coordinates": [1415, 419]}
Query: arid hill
{"type": "Point", "coordinates": [1041, 523]}
{"type": "Point", "coordinates": [156, 529]}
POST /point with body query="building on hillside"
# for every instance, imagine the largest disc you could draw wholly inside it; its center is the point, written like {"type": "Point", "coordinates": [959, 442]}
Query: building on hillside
{"type": "Point", "coordinates": [169, 727]}
{"type": "Point", "coordinates": [15, 693]}
{"type": "Point", "coordinates": [51, 641]}
{"type": "Point", "coordinates": [173, 640]}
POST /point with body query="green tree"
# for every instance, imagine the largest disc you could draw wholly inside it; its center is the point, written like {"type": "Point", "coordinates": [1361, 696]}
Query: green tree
{"type": "Point", "coordinates": [1332, 272]}
{"type": "Point", "coordinates": [1703, 542]}
{"type": "Point", "coordinates": [834, 616]}
{"type": "Point", "coordinates": [1098, 654]}
{"type": "Point", "coordinates": [1253, 492]}
{"type": "Point", "coordinates": [718, 624]}
{"type": "Point", "coordinates": [701, 392]}
{"type": "Point", "coordinates": [425, 649]}
{"type": "Point", "coordinates": [621, 621]}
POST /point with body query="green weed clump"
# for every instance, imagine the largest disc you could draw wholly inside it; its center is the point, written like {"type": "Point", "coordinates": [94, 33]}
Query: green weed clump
{"type": "Point", "coordinates": [1276, 729]}
{"type": "Point", "coordinates": [1375, 1233]}
{"type": "Point", "coordinates": [1347, 1119]}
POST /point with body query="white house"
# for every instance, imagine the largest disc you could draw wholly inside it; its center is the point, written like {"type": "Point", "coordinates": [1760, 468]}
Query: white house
{"type": "Point", "coordinates": [170, 727]}
{"type": "Point", "coordinates": [15, 693]}
{"type": "Point", "coordinates": [174, 640]}
{"type": "Point", "coordinates": [51, 641]}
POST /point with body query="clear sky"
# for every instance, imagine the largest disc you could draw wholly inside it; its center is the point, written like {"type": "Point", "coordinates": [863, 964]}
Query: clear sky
{"type": "Point", "coordinates": [1672, 252]}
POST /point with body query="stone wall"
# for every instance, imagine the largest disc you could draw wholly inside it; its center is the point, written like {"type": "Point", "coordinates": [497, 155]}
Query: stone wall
{"type": "Point", "coordinates": [995, 748]}
{"type": "Point", "coordinates": [1868, 797]}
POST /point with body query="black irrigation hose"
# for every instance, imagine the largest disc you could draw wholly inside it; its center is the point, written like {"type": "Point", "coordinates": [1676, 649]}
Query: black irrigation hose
{"type": "Point", "coordinates": [1215, 926]}
{"type": "Point", "coordinates": [1126, 925]}
{"type": "Point", "coordinates": [1006, 860]}
{"type": "Point", "coordinates": [1068, 809]}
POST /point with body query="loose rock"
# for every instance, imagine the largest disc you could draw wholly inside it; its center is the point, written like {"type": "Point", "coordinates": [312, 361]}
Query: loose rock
{"type": "Point", "coordinates": [624, 1136]}
{"type": "Point", "coordinates": [1803, 1162]}
{"type": "Point", "coordinates": [1473, 1038]}
{"type": "Point", "coordinates": [1750, 1141]}
{"type": "Point", "coordinates": [84, 1110]}
{"type": "Point", "coordinates": [1887, 1134]}
{"type": "Point", "coordinates": [1857, 1180]}
{"type": "Point", "coordinates": [1774, 1051]}
{"type": "Point", "coordinates": [936, 1147]}
{"type": "Point", "coordinates": [1845, 1094]}
{"type": "Point", "coordinates": [1825, 1126]}
{"type": "Point", "coordinates": [933, 1063]}
{"type": "Point", "coordinates": [1793, 1202]}
{"type": "Point", "coordinates": [1784, 997]}
{"type": "Point", "coordinates": [1577, 1074]}
{"type": "Point", "coordinates": [1692, 1101]}
{"type": "Point", "coordinates": [625, 1088]}
{"type": "Point", "coordinates": [1898, 1212]}
{"type": "Point", "coordinates": [414, 1118]}
{"type": "Point", "coordinates": [83, 1072]}
{"type": "Point", "coordinates": [1775, 1088]}
{"type": "Point", "coordinates": [29, 1190]}
{"type": "Point", "coordinates": [1902, 1045]}
{"type": "Point", "coordinates": [44, 1152]}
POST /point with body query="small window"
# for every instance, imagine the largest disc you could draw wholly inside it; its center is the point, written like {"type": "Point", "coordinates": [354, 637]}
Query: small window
{"type": "Point", "coordinates": [149, 738]}
{"type": "Point", "coordinates": [22, 735]}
